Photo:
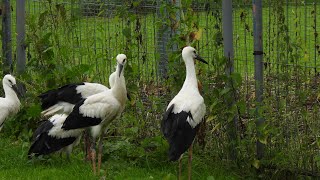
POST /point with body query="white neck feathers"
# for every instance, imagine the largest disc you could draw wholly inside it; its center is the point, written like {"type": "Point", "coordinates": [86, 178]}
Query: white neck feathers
{"type": "Point", "coordinates": [9, 93]}
{"type": "Point", "coordinates": [119, 88]}
{"type": "Point", "coordinates": [191, 77]}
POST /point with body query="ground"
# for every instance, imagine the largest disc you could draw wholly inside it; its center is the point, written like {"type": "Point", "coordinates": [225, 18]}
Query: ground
{"type": "Point", "coordinates": [15, 165]}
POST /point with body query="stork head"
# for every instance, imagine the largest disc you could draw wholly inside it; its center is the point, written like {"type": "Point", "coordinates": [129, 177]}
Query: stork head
{"type": "Point", "coordinates": [10, 81]}
{"type": "Point", "coordinates": [121, 61]}
{"type": "Point", "coordinates": [189, 51]}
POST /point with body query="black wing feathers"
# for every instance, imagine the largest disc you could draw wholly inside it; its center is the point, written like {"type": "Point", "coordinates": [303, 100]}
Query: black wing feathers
{"type": "Point", "coordinates": [166, 125]}
{"type": "Point", "coordinates": [67, 93]}
{"type": "Point", "coordinates": [76, 120]}
{"type": "Point", "coordinates": [178, 132]}
{"type": "Point", "coordinates": [44, 144]}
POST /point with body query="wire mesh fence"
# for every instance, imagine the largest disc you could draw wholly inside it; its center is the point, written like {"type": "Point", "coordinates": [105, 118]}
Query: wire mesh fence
{"type": "Point", "coordinates": [94, 32]}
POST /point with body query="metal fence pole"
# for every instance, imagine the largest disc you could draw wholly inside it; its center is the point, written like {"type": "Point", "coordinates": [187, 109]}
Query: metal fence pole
{"type": "Point", "coordinates": [258, 70]}
{"type": "Point", "coordinates": [163, 36]}
{"type": "Point", "coordinates": [6, 37]}
{"type": "Point", "coordinates": [21, 50]}
{"type": "Point", "coordinates": [227, 33]}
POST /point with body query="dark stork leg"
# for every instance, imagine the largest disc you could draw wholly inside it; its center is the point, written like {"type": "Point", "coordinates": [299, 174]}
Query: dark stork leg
{"type": "Point", "coordinates": [87, 144]}
{"type": "Point", "coordinates": [190, 162]}
{"type": "Point", "coordinates": [179, 173]}
{"type": "Point", "coordinates": [93, 155]}
{"type": "Point", "coordinates": [100, 150]}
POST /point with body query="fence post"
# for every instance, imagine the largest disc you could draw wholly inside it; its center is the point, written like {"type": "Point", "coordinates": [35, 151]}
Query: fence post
{"type": "Point", "coordinates": [227, 33]}
{"type": "Point", "coordinates": [6, 37]}
{"type": "Point", "coordinates": [163, 36]}
{"type": "Point", "coordinates": [21, 50]}
{"type": "Point", "coordinates": [258, 71]}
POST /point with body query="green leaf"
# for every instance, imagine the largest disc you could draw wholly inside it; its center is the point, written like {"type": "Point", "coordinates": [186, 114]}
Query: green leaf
{"type": "Point", "coordinates": [126, 32]}
{"type": "Point", "coordinates": [42, 18]}
{"type": "Point", "coordinates": [256, 163]}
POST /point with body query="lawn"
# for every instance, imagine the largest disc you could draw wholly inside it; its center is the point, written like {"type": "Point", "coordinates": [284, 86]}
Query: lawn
{"type": "Point", "coordinates": [15, 165]}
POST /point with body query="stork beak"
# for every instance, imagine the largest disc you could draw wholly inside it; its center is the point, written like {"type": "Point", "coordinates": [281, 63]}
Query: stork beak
{"type": "Point", "coordinates": [120, 69]}
{"type": "Point", "coordinates": [200, 59]}
{"type": "Point", "coordinates": [16, 89]}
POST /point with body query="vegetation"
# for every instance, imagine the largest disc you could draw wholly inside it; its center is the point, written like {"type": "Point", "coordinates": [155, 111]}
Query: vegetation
{"type": "Point", "coordinates": [64, 44]}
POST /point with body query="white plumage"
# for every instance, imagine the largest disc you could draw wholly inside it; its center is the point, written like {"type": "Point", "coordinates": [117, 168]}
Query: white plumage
{"type": "Point", "coordinates": [185, 111]}
{"type": "Point", "coordinates": [49, 137]}
{"type": "Point", "coordinates": [63, 99]}
{"type": "Point", "coordinates": [10, 104]}
{"type": "Point", "coordinates": [100, 109]}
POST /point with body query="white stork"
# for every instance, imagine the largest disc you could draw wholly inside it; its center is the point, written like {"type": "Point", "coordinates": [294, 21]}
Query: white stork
{"type": "Point", "coordinates": [63, 99]}
{"type": "Point", "coordinates": [184, 113]}
{"type": "Point", "coordinates": [100, 109]}
{"type": "Point", "coordinates": [10, 104]}
{"type": "Point", "coordinates": [49, 137]}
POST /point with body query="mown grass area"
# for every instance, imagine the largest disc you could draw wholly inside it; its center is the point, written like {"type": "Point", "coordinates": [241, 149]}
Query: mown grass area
{"type": "Point", "coordinates": [15, 165]}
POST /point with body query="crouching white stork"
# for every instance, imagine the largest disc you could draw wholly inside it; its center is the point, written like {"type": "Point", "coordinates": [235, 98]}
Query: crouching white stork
{"type": "Point", "coordinates": [10, 104]}
{"type": "Point", "coordinates": [63, 99]}
{"type": "Point", "coordinates": [99, 110]}
{"type": "Point", "coordinates": [184, 113]}
{"type": "Point", "coordinates": [49, 137]}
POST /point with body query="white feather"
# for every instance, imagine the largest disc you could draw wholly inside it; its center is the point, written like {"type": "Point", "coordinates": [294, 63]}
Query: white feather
{"type": "Point", "coordinates": [57, 120]}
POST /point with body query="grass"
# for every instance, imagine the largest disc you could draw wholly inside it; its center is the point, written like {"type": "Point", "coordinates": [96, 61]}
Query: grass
{"type": "Point", "coordinates": [15, 165]}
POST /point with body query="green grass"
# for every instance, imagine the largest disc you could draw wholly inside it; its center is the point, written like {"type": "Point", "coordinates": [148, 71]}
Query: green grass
{"type": "Point", "coordinates": [15, 165]}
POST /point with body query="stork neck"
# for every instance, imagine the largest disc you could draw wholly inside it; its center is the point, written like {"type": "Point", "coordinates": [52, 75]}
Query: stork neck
{"type": "Point", "coordinates": [191, 77]}
{"type": "Point", "coordinates": [119, 89]}
{"type": "Point", "coordinates": [9, 92]}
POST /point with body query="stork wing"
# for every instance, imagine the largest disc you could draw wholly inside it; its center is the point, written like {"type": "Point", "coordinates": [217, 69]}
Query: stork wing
{"type": "Point", "coordinates": [91, 112]}
{"type": "Point", "coordinates": [197, 114]}
{"type": "Point", "coordinates": [167, 123]}
{"type": "Point", "coordinates": [67, 93]}
{"type": "Point", "coordinates": [177, 130]}
{"type": "Point", "coordinates": [90, 89]}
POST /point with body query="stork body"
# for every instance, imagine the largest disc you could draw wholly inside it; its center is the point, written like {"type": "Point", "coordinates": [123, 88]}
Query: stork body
{"type": "Point", "coordinates": [100, 109]}
{"type": "Point", "coordinates": [63, 99]}
{"type": "Point", "coordinates": [184, 113]}
{"type": "Point", "coordinates": [10, 104]}
{"type": "Point", "coordinates": [49, 137]}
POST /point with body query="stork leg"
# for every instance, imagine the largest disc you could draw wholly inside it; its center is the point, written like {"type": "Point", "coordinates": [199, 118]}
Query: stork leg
{"type": "Point", "coordinates": [180, 167]}
{"type": "Point", "coordinates": [190, 162]}
{"type": "Point", "coordinates": [87, 144]}
{"type": "Point", "coordinates": [93, 155]}
{"type": "Point", "coordinates": [100, 151]}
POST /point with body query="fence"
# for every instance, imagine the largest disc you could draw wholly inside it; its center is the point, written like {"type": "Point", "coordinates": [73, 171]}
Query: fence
{"type": "Point", "coordinates": [93, 32]}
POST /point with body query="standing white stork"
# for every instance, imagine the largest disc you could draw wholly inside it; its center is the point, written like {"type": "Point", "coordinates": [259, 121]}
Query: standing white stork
{"type": "Point", "coordinates": [10, 104]}
{"type": "Point", "coordinates": [100, 109]}
{"type": "Point", "coordinates": [49, 137]}
{"type": "Point", "coordinates": [63, 99]}
{"type": "Point", "coordinates": [184, 113]}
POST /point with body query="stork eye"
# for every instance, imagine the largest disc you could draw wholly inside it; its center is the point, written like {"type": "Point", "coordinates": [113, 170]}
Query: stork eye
{"type": "Point", "coordinates": [194, 52]}
{"type": "Point", "coordinates": [10, 81]}
{"type": "Point", "coordinates": [124, 60]}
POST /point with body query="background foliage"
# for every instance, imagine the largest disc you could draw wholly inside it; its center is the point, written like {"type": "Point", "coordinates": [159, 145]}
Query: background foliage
{"type": "Point", "coordinates": [74, 41]}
